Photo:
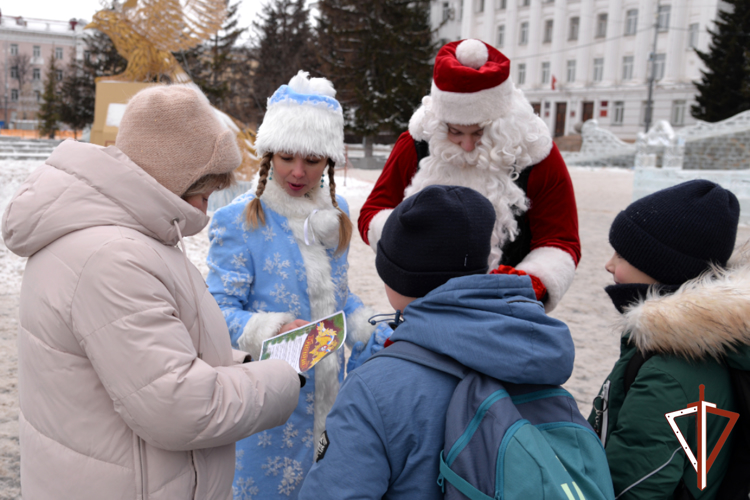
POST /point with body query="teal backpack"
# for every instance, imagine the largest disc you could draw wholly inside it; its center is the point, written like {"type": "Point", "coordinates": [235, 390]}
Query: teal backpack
{"type": "Point", "coordinates": [512, 441]}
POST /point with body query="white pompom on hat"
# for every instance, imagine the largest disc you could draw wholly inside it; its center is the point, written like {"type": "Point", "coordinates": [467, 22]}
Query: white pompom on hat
{"type": "Point", "coordinates": [303, 118]}
{"type": "Point", "coordinates": [470, 83]}
{"type": "Point", "coordinates": [173, 133]}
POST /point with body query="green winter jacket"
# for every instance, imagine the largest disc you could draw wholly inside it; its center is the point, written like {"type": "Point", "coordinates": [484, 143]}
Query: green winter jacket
{"type": "Point", "coordinates": [695, 333]}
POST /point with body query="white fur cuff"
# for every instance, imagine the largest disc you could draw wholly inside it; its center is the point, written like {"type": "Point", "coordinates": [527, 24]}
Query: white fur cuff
{"type": "Point", "coordinates": [375, 230]}
{"type": "Point", "coordinates": [467, 108]}
{"type": "Point", "coordinates": [556, 269]}
{"type": "Point", "coordinates": [262, 325]}
{"type": "Point", "coordinates": [358, 329]}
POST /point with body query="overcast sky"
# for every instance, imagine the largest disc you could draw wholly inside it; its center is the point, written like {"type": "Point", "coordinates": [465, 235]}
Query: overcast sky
{"type": "Point", "coordinates": [63, 10]}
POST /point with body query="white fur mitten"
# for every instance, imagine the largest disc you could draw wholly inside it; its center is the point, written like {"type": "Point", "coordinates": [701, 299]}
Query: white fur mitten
{"type": "Point", "coordinates": [262, 326]}
{"type": "Point", "coordinates": [325, 225]}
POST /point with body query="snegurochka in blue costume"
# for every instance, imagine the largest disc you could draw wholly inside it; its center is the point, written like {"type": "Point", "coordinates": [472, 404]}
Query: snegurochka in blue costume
{"type": "Point", "coordinates": [278, 259]}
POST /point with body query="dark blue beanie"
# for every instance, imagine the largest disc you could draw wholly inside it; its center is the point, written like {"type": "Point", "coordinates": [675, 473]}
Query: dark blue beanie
{"type": "Point", "coordinates": [674, 234]}
{"type": "Point", "coordinates": [440, 233]}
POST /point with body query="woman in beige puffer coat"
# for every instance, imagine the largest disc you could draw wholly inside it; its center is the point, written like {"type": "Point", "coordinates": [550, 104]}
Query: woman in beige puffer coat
{"type": "Point", "coordinates": [128, 386]}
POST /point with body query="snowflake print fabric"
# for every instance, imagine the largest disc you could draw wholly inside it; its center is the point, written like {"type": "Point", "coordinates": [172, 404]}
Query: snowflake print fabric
{"type": "Point", "coordinates": [256, 272]}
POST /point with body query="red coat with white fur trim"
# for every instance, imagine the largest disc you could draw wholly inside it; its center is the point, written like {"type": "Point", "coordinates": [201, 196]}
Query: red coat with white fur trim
{"type": "Point", "coordinates": [552, 215]}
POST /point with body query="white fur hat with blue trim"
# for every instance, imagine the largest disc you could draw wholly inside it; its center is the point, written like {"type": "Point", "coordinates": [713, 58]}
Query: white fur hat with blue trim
{"type": "Point", "coordinates": [303, 118]}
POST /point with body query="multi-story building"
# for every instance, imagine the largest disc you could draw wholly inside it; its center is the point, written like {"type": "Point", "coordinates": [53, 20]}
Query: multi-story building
{"type": "Point", "coordinates": [582, 59]}
{"type": "Point", "coordinates": [25, 48]}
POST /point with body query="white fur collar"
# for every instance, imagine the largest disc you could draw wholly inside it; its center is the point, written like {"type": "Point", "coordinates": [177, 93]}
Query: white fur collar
{"type": "Point", "coordinates": [315, 207]}
{"type": "Point", "coordinates": [294, 208]}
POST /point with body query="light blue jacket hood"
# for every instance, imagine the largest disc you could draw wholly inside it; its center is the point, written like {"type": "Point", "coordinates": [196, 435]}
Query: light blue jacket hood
{"type": "Point", "coordinates": [494, 325]}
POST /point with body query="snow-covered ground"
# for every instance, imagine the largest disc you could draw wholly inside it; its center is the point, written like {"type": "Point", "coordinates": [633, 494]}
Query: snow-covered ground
{"type": "Point", "coordinates": [600, 192]}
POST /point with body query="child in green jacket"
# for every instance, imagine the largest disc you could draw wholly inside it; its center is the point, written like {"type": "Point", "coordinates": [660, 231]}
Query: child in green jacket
{"type": "Point", "coordinates": [686, 314]}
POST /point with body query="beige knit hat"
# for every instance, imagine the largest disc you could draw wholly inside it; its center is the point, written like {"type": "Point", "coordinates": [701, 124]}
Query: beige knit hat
{"type": "Point", "coordinates": [172, 133]}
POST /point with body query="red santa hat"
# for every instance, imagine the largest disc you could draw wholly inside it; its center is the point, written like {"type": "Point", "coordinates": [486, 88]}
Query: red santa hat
{"type": "Point", "coordinates": [470, 83]}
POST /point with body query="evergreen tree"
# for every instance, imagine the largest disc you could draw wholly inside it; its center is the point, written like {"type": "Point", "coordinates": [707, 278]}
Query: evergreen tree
{"type": "Point", "coordinates": [724, 89]}
{"type": "Point", "coordinates": [215, 65]}
{"type": "Point", "coordinates": [101, 57]}
{"type": "Point", "coordinates": [285, 44]}
{"type": "Point", "coordinates": [78, 89]}
{"type": "Point", "coordinates": [49, 110]}
{"type": "Point", "coordinates": [378, 54]}
{"type": "Point", "coordinates": [77, 97]}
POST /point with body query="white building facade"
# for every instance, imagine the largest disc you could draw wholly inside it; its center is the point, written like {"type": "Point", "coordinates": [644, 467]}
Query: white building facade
{"type": "Point", "coordinates": [26, 45]}
{"type": "Point", "coordinates": [582, 59]}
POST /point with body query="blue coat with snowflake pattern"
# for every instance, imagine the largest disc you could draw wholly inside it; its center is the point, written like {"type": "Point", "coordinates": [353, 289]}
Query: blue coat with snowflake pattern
{"type": "Point", "coordinates": [262, 270]}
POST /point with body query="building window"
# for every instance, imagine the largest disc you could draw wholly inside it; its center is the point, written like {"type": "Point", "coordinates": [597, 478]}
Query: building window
{"type": "Point", "coordinates": [548, 31]}
{"type": "Point", "coordinates": [658, 67]}
{"type": "Point", "coordinates": [501, 4]}
{"type": "Point", "coordinates": [571, 70]}
{"type": "Point", "coordinates": [13, 49]}
{"type": "Point", "coordinates": [573, 31]}
{"type": "Point", "coordinates": [678, 113]}
{"type": "Point", "coordinates": [37, 74]}
{"type": "Point", "coordinates": [545, 72]}
{"type": "Point", "coordinates": [14, 72]}
{"type": "Point", "coordinates": [37, 51]}
{"type": "Point", "coordinates": [663, 19]}
{"type": "Point", "coordinates": [598, 69]}
{"type": "Point", "coordinates": [693, 36]}
{"type": "Point", "coordinates": [521, 74]}
{"type": "Point", "coordinates": [479, 6]}
{"type": "Point", "coordinates": [38, 95]}
{"type": "Point", "coordinates": [601, 25]}
{"type": "Point", "coordinates": [58, 53]}
{"type": "Point", "coordinates": [14, 95]}
{"type": "Point", "coordinates": [500, 41]}
{"type": "Point", "coordinates": [627, 68]}
{"type": "Point", "coordinates": [87, 55]}
{"type": "Point", "coordinates": [446, 11]}
{"type": "Point", "coordinates": [618, 114]}
{"type": "Point", "coordinates": [525, 3]}
{"type": "Point", "coordinates": [59, 74]}
{"type": "Point", "coordinates": [524, 35]}
{"type": "Point", "coordinates": [631, 22]}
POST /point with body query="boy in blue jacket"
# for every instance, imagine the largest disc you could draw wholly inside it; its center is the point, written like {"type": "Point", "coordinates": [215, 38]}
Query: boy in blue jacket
{"type": "Point", "coordinates": [386, 430]}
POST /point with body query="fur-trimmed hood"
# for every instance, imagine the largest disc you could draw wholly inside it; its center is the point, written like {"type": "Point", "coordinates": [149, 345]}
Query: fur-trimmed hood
{"type": "Point", "coordinates": [707, 316]}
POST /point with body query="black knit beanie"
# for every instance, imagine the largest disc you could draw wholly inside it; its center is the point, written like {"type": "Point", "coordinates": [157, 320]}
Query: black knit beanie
{"type": "Point", "coordinates": [440, 233]}
{"type": "Point", "coordinates": [674, 234]}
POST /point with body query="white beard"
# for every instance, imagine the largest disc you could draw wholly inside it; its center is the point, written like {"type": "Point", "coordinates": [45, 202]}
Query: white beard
{"type": "Point", "coordinates": [449, 164]}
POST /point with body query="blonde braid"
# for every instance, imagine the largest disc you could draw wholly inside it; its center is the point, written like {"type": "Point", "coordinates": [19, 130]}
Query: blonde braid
{"type": "Point", "coordinates": [255, 215]}
{"type": "Point", "coordinates": [345, 224]}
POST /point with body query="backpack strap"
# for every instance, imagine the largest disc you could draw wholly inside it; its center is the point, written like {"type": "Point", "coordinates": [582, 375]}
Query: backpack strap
{"type": "Point", "coordinates": [461, 484]}
{"type": "Point", "coordinates": [633, 367]}
{"type": "Point", "coordinates": [408, 351]}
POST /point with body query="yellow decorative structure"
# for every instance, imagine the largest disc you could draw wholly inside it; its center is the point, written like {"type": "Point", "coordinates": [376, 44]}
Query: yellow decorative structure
{"type": "Point", "coordinates": [146, 32]}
